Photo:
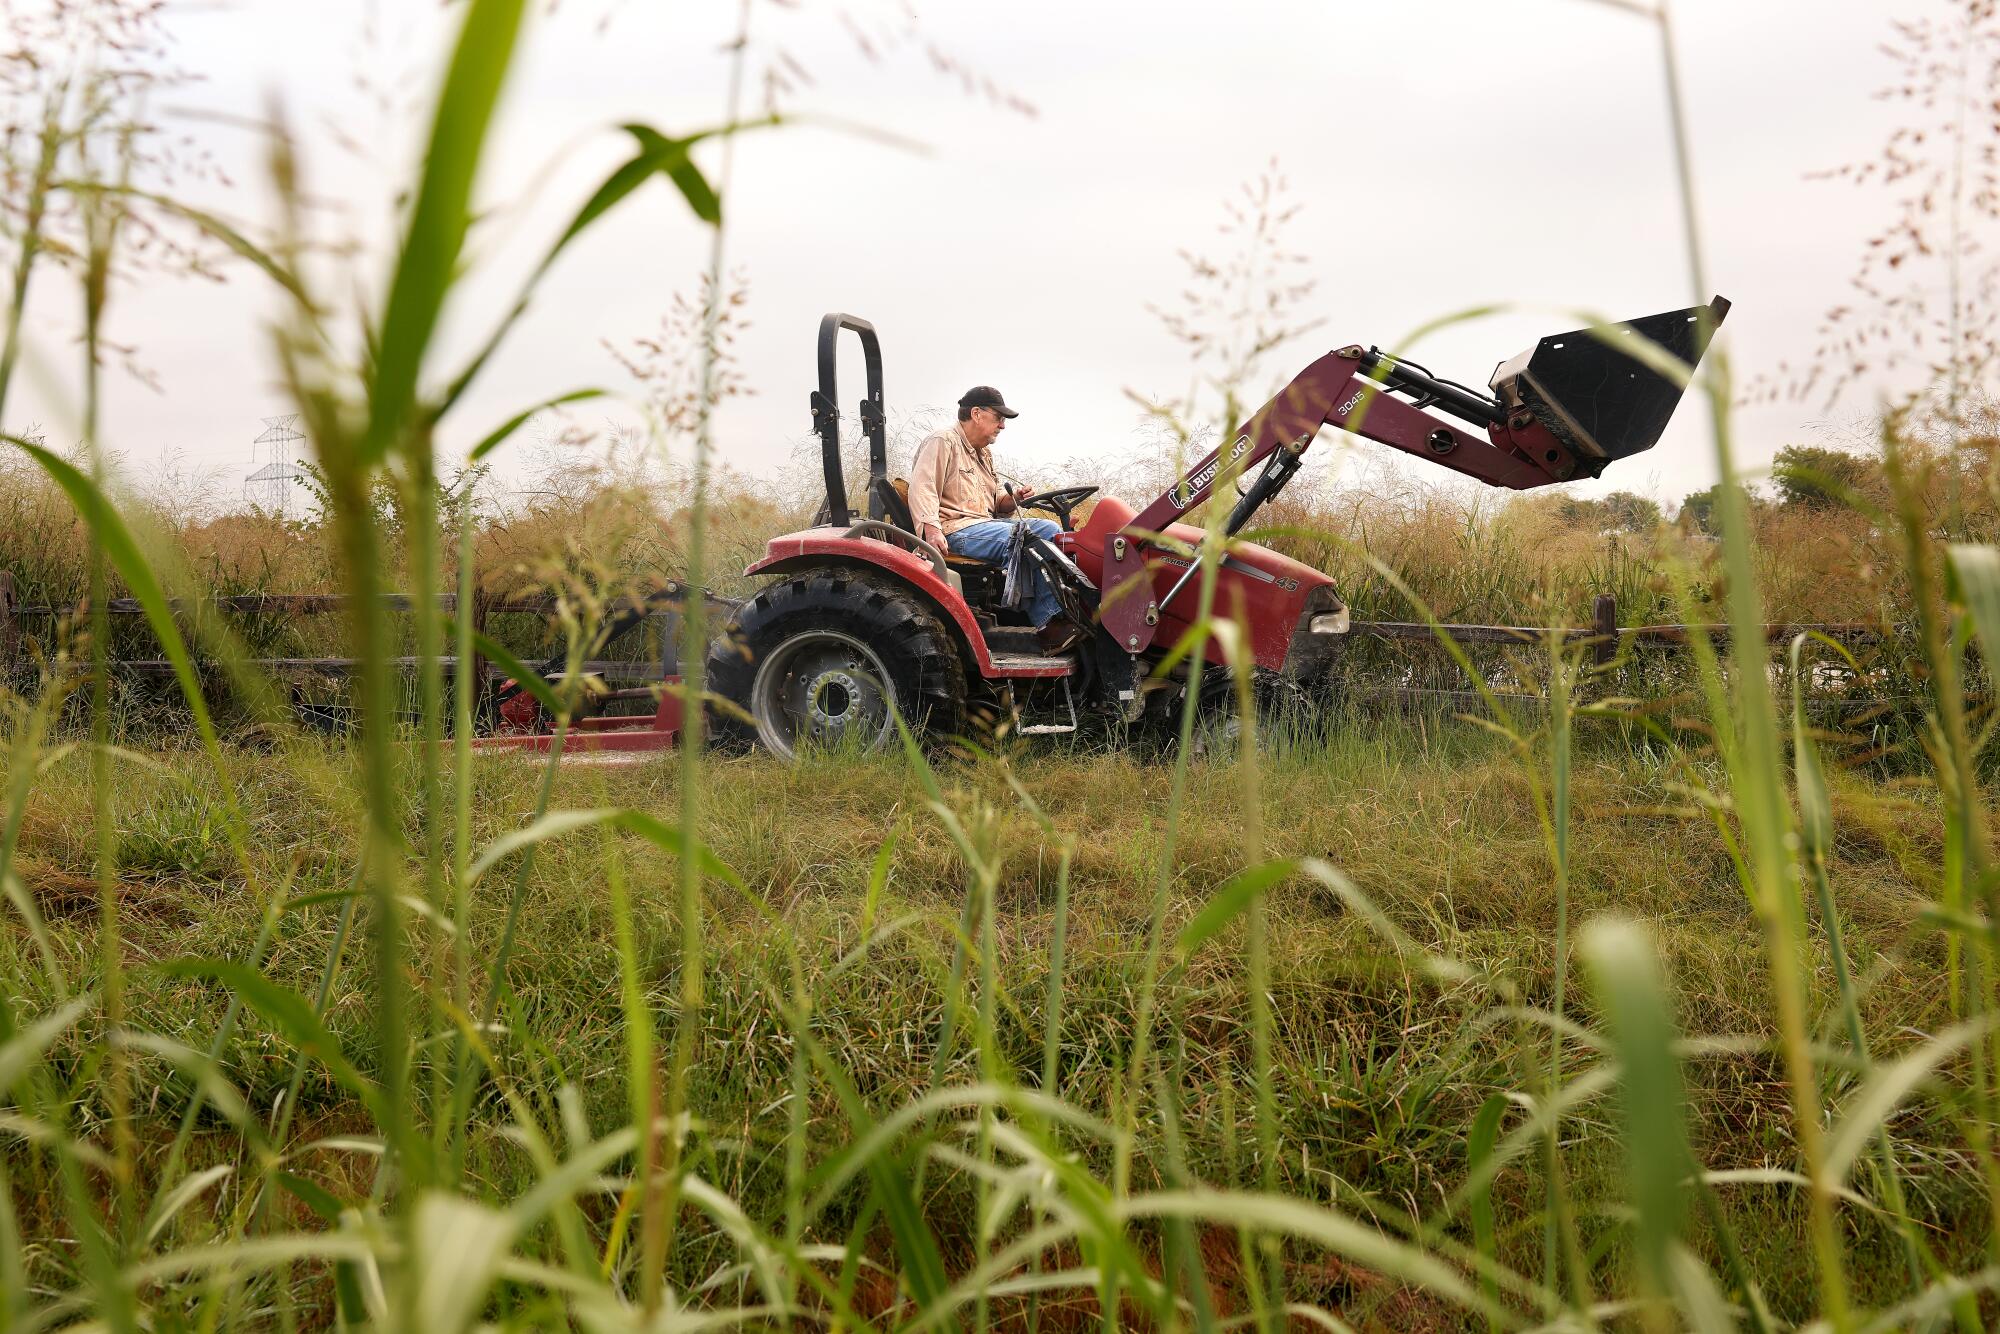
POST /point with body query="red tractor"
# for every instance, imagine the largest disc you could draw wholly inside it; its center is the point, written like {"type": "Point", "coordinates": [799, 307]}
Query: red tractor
{"type": "Point", "coordinates": [861, 619]}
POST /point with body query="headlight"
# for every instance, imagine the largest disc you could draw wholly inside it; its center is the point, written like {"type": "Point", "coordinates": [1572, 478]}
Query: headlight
{"type": "Point", "coordinates": [1329, 623]}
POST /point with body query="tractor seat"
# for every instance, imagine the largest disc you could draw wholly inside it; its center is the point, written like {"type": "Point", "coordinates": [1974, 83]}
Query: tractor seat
{"type": "Point", "coordinates": [894, 493]}
{"type": "Point", "coordinates": [895, 498]}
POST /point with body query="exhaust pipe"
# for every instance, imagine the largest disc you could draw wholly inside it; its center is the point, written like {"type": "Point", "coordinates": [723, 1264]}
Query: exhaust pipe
{"type": "Point", "coordinates": [1599, 401]}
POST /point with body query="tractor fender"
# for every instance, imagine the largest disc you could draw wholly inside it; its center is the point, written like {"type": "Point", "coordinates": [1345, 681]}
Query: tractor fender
{"type": "Point", "coordinates": [817, 548]}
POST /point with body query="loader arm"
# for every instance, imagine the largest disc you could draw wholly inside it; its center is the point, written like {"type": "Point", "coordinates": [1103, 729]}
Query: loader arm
{"type": "Point", "coordinates": [1564, 409]}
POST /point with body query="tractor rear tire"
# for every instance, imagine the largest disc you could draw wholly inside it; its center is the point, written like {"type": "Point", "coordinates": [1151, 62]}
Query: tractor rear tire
{"type": "Point", "coordinates": [829, 658]}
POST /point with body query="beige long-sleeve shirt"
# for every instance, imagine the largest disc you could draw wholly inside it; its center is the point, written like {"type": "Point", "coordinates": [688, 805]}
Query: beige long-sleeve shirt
{"type": "Point", "coordinates": [952, 483]}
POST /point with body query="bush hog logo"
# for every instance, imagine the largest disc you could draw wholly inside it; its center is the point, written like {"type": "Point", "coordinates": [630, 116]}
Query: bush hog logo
{"type": "Point", "coordinates": [1185, 489]}
{"type": "Point", "coordinates": [1284, 581]}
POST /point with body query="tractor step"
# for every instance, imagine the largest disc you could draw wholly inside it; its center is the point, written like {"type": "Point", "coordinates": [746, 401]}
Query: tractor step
{"type": "Point", "coordinates": [1055, 727]}
{"type": "Point", "coordinates": [1011, 639]}
{"type": "Point", "coordinates": [1032, 664]}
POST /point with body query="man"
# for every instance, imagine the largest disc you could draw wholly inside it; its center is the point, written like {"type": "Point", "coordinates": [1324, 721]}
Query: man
{"type": "Point", "coordinates": [957, 502]}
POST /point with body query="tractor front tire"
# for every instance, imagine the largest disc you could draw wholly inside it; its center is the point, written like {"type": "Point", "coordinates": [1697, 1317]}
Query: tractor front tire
{"type": "Point", "coordinates": [831, 658]}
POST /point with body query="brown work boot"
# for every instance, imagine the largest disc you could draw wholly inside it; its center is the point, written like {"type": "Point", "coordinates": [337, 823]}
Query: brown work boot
{"type": "Point", "coordinates": [1058, 634]}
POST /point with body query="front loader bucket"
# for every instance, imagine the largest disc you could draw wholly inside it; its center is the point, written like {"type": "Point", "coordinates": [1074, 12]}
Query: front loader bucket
{"type": "Point", "coordinates": [1599, 400]}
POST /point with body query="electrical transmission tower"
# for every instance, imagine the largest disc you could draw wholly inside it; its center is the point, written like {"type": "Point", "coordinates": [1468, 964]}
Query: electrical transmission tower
{"type": "Point", "coordinates": [270, 486]}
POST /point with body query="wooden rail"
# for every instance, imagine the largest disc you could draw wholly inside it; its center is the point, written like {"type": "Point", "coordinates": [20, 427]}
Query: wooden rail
{"type": "Point", "coordinates": [1604, 634]}
{"type": "Point", "coordinates": [13, 613]}
{"type": "Point", "coordinates": [1669, 635]}
{"type": "Point", "coordinates": [608, 668]}
{"type": "Point", "coordinates": [289, 604]}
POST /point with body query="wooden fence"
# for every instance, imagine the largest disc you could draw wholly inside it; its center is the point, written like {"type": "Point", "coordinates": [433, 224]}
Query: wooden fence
{"type": "Point", "coordinates": [1604, 636]}
{"type": "Point", "coordinates": [13, 613]}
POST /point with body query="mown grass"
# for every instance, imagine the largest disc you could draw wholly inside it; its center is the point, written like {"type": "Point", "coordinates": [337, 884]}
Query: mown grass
{"type": "Point", "coordinates": [1376, 1072]}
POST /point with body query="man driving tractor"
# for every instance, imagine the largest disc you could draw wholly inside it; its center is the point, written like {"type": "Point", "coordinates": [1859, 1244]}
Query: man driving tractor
{"type": "Point", "coordinates": [958, 503]}
{"type": "Point", "coordinates": [852, 634]}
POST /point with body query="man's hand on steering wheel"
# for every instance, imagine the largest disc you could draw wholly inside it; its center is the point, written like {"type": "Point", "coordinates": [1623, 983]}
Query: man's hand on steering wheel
{"type": "Point", "coordinates": [1059, 501]}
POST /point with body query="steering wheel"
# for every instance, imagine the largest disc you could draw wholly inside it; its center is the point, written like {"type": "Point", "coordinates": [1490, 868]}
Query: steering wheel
{"type": "Point", "coordinates": [1059, 502]}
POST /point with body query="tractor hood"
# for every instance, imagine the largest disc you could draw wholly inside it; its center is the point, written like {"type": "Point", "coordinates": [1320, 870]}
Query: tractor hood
{"type": "Point", "coordinates": [1293, 613]}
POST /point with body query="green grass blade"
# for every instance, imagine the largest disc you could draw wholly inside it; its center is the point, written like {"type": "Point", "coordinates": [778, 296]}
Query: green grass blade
{"type": "Point", "coordinates": [500, 434]}
{"type": "Point", "coordinates": [209, 223]}
{"type": "Point", "coordinates": [658, 155]}
{"type": "Point", "coordinates": [347, 1295]}
{"type": "Point", "coordinates": [1478, 1149]}
{"type": "Point", "coordinates": [1701, 1301]}
{"type": "Point", "coordinates": [894, 1191]}
{"type": "Point", "coordinates": [1347, 1237]}
{"type": "Point", "coordinates": [557, 823]}
{"type": "Point", "coordinates": [878, 880]}
{"type": "Point", "coordinates": [1557, 832]}
{"type": "Point", "coordinates": [436, 236]}
{"type": "Point", "coordinates": [23, 903]}
{"type": "Point", "coordinates": [1888, 1086]}
{"type": "Point", "coordinates": [1438, 967]}
{"type": "Point", "coordinates": [524, 676]}
{"type": "Point", "coordinates": [109, 533]}
{"type": "Point", "coordinates": [23, 1051]}
{"type": "Point", "coordinates": [201, 1069]}
{"type": "Point", "coordinates": [1976, 581]}
{"type": "Point", "coordinates": [459, 1245]}
{"type": "Point", "coordinates": [294, 1018]}
{"type": "Point", "coordinates": [182, 1195]}
{"type": "Point", "coordinates": [1052, 1014]}
{"type": "Point", "coordinates": [1231, 900]}
{"type": "Point", "coordinates": [1816, 839]}
{"type": "Point", "coordinates": [881, 1136]}
{"type": "Point", "coordinates": [1621, 956]}
{"type": "Point", "coordinates": [13, 1274]}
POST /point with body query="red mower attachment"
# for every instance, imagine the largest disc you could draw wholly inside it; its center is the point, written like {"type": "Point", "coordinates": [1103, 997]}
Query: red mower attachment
{"type": "Point", "coordinates": [608, 721]}
{"type": "Point", "coordinates": [524, 727]}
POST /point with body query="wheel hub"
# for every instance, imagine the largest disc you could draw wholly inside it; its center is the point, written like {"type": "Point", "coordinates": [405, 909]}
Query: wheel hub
{"type": "Point", "coordinates": [833, 699]}
{"type": "Point", "coordinates": [822, 686]}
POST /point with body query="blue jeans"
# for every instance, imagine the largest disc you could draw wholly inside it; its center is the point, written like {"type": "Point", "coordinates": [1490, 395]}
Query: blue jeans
{"type": "Point", "coordinates": [988, 540]}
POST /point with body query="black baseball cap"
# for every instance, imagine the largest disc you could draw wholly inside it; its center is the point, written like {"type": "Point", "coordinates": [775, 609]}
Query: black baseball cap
{"type": "Point", "coordinates": [986, 396]}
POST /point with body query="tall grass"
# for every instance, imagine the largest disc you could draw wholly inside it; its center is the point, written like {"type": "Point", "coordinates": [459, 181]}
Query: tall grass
{"type": "Point", "coordinates": [752, 1108]}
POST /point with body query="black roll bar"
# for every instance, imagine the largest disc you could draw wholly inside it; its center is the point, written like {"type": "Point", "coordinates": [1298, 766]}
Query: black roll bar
{"type": "Point", "coordinates": [826, 417]}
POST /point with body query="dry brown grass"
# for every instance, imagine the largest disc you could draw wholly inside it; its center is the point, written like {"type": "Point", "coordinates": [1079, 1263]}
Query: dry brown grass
{"type": "Point", "coordinates": [1471, 555]}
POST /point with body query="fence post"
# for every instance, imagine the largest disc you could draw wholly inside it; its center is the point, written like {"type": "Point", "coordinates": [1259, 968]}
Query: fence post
{"type": "Point", "coordinates": [10, 632]}
{"type": "Point", "coordinates": [472, 675]}
{"type": "Point", "coordinates": [1604, 626]}
{"type": "Point", "coordinates": [671, 623]}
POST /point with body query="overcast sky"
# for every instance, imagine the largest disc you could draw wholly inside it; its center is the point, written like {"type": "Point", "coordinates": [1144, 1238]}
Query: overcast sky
{"type": "Point", "coordinates": [1444, 152]}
